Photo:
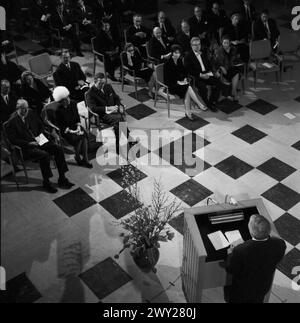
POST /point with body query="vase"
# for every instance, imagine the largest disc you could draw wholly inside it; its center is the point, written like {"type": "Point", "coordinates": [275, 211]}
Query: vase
{"type": "Point", "coordinates": [146, 259]}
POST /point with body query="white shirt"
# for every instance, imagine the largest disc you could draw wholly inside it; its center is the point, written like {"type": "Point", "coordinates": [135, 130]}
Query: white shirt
{"type": "Point", "coordinates": [5, 98]}
{"type": "Point", "coordinates": [198, 55]}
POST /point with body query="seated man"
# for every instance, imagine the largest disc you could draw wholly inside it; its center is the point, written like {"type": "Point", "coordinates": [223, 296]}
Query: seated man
{"type": "Point", "coordinates": [199, 25]}
{"type": "Point", "coordinates": [184, 37]}
{"type": "Point", "coordinates": [62, 20]}
{"type": "Point", "coordinates": [159, 48]}
{"type": "Point", "coordinates": [70, 75]}
{"type": "Point", "coordinates": [138, 35]}
{"type": "Point", "coordinates": [107, 43]}
{"type": "Point", "coordinates": [166, 27]}
{"type": "Point", "coordinates": [27, 131]}
{"type": "Point", "coordinates": [83, 16]}
{"type": "Point", "coordinates": [266, 28]}
{"type": "Point", "coordinates": [198, 65]}
{"type": "Point", "coordinates": [252, 264]}
{"type": "Point", "coordinates": [102, 100]}
{"type": "Point", "coordinates": [8, 101]}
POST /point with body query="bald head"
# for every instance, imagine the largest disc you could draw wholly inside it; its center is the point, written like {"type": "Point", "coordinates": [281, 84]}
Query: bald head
{"type": "Point", "coordinates": [157, 32]}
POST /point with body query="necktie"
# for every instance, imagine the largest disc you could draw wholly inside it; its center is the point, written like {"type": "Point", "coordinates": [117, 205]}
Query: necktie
{"type": "Point", "coordinates": [162, 42]}
{"type": "Point", "coordinates": [267, 30]}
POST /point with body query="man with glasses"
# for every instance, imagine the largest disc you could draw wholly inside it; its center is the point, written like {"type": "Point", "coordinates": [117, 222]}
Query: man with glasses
{"type": "Point", "coordinates": [199, 66]}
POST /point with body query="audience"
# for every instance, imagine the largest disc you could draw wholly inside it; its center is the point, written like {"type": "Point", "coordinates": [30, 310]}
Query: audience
{"type": "Point", "coordinates": [199, 66]}
{"type": "Point", "coordinates": [69, 123]}
{"type": "Point", "coordinates": [266, 28]}
{"type": "Point", "coordinates": [176, 78]}
{"type": "Point", "coordinates": [184, 36]}
{"type": "Point", "coordinates": [107, 43]}
{"type": "Point", "coordinates": [159, 47]}
{"type": "Point", "coordinates": [133, 60]}
{"type": "Point", "coordinates": [8, 101]}
{"type": "Point", "coordinates": [166, 27]}
{"type": "Point", "coordinates": [27, 131]}
{"type": "Point", "coordinates": [70, 75]}
{"type": "Point", "coordinates": [34, 91]}
{"type": "Point", "coordinates": [199, 25]}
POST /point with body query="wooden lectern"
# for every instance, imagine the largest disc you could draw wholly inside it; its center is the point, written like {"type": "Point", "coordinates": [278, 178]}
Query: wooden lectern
{"type": "Point", "coordinates": [203, 266]}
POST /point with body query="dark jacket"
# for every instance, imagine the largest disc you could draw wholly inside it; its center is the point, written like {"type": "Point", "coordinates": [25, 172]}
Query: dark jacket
{"type": "Point", "coordinates": [59, 22]}
{"type": "Point", "coordinates": [38, 9]}
{"type": "Point", "coordinates": [168, 31]}
{"type": "Point", "coordinates": [99, 100]}
{"type": "Point", "coordinates": [173, 72]}
{"type": "Point", "coordinates": [104, 43]}
{"type": "Point", "coordinates": [68, 78]}
{"type": "Point", "coordinates": [199, 27]}
{"type": "Point", "coordinates": [67, 117]}
{"type": "Point", "coordinates": [137, 61]}
{"type": "Point", "coordinates": [226, 60]}
{"type": "Point", "coordinates": [7, 109]}
{"type": "Point", "coordinates": [10, 71]}
{"type": "Point", "coordinates": [193, 66]}
{"type": "Point", "coordinates": [184, 41]}
{"type": "Point", "coordinates": [79, 15]}
{"type": "Point", "coordinates": [252, 265]}
{"type": "Point", "coordinates": [260, 33]}
{"type": "Point", "coordinates": [236, 33]}
{"type": "Point", "coordinates": [244, 15]}
{"type": "Point", "coordinates": [156, 49]}
{"type": "Point", "coordinates": [18, 132]}
{"type": "Point", "coordinates": [137, 41]}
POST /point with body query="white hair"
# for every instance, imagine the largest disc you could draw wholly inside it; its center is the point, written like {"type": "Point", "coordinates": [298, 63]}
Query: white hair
{"type": "Point", "coordinates": [60, 93]}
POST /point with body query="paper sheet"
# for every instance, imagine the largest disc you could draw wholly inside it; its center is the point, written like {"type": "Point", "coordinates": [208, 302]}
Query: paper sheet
{"type": "Point", "coordinates": [290, 116]}
{"type": "Point", "coordinates": [41, 139]}
{"type": "Point", "coordinates": [218, 240]}
{"type": "Point", "coordinates": [267, 65]}
{"type": "Point", "coordinates": [234, 236]}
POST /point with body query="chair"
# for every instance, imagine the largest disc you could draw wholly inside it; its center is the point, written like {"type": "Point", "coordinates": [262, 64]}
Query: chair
{"type": "Point", "coordinates": [132, 78]}
{"type": "Point", "coordinates": [41, 66]}
{"type": "Point", "coordinates": [14, 153]}
{"type": "Point", "coordinates": [151, 60]}
{"type": "Point", "coordinates": [12, 51]}
{"type": "Point", "coordinates": [263, 60]}
{"type": "Point", "coordinates": [289, 46]}
{"type": "Point", "coordinates": [159, 70]}
{"type": "Point", "coordinates": [7, 156]}
{"type": "Point", "coordinates": [98, 55]}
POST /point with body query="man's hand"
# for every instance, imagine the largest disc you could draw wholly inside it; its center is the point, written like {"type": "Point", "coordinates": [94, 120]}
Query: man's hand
{"type": "Point", "coordinates": [81, 83]}
{"type": "Point", "coordinates": [68, 27]}
{"type": "Point", "coordinates": [167, 56]}
{"type": "Point", "coordinates": [235, 42]}
{"type": "Point", "coordinates": [5, 42]}
{"type": "Point", "coordinates": [204, 76]}
{"type": "Point", "coordinates": [140, 34]}
{"type": "Point", "coordinates": [33, 144]}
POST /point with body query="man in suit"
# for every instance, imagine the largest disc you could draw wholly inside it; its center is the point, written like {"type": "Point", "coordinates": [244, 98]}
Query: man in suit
{"type": "Point", "coordinates": [159, 47]}
{"type": "Point", "coordinates": [198, 65]}
{"type": "Point", "coordinates": [83, 15]}
{"type": "Point", "coordinates": [138, 35]}
{"type": "Point", "coordinates": [166, 27]}
{"type": "Point", "coordinates": [266, 28]}
{"type": "Point", "coordinates": [184, 36]}
{"type": "Point", "coordinates": [102, 100]}
{"type": "Point", "coordinates": [248, 14]}
{"type": "Point", "coordinates": [199, 25]}
{"type": "Point", "coordinates": [8, 101]}
{"type": "Point", "coordinates": [252, 264]}
{"type": "Point", "coordinates": [62, 20]}
{"type": "Point", "coordinates": [107, 43]}
{"type": "Point", "coordinates": [24, 129]}
{"type": "Point", "coordinates": [70, 75]}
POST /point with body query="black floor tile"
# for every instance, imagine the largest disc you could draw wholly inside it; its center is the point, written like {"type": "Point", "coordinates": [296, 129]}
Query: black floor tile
{"type": "Point", "coordinates": [74, 202]}
{"type": "Point", "coordinates": [177, 223]}
{"type": "Point", "coordinates": [276, 169]}
{"type": "Point", "coordinates": [234, 167]}
{"type": "Point", "coordinates": [105, 278]}
{"type": "Point", "coordinates": [20, 290]}
{"type": "Point", "coordinates": [282, 196]}
{"type": "Point", "coordinates": [249, 134]}
{"type": "Point", "coordinates": [289, 263]}
{"type": "Point", "coordinates": [288, 228]}
{"type": "Point", "coordinates": [192, 125]}
{"type": "Point", "coordinates": [297, 145]}
{"type": "Point", "coordinates": [262, 107]}
{"type": "Point", "coordinates": [228, 106]}
{"type": "Point", "coordinates": [140, 111]}
{"type": "Point", "coordinates": [120, 204]}
{"type": "Point", "coordinates": [191, 192]}
{"type": "Point", "coordinates": [142, 95]}
{"type": "Point", "coordinates": [127, 175]}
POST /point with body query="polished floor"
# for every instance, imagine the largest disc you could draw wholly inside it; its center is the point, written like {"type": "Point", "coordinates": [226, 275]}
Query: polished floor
{"type": "Point", "coordinates": [61, 248]}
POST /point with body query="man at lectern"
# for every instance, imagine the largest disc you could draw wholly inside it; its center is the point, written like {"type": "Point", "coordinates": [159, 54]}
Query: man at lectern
{"type": "Point", "coordinates": [252, 264]}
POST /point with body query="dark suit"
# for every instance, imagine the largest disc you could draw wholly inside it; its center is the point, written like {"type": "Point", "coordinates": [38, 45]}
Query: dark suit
{"type": "Point", "coordinates": [184, 41]}
{"type": "Point", "coordinates": [260, 32]}
{"type": "Point", "coordinates": [59, 21]}
{"type": "Point", "coordinates": [252, 265]}
{"type": "Point", "coordinates": [156, 48]}
{"type": "Point", "coordinates": [199, 27]}
{"type": "Point", "coordinates": [137, 41]}
{"type": "Point", "coordinates": [7, 109]}
{"type": "Point", "coordinates": [194, 68]}
{"type": "Point", "coordinates": [21, 134]}
{"type": "Point", "coordinates": [105, 42]}
{"type": "Point", "coordinates": [217, 23]}
{"type": "Point", "coordinates": [80, 15]}
{"type": "Point", "coordinates": [69, 78]}
{"type": "Point", "coordinates": [101, 9]}
{"type": "Point", "coordinates": [248, 17]}
{"type": "Point", "coordinates": [168, 30]}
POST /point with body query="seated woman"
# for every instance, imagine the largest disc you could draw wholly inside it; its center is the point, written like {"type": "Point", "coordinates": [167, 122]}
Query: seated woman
{"type": "Point", "coordinates": [34, 91]}
{"type": "Point", "coordinates": [228, 62]}
{"type": "Point", "coordinates": [69, 123]}
{"type": "Point", "coordinates": [176, 79]}
{"type": "Point", "coordinates": [133, 60]}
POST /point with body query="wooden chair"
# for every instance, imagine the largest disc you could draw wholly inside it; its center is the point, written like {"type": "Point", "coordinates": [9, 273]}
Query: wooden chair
{"type": "Point", "coordinates": [263, 60]}
{"type": "Point", "coordinates": [289, 49]}
{"type": "Point", "coordinates": [151, 60]}
{"type": "Point", "coordinates": [41, 66]}
{"type": "Point", "coordinates": [98, 55]}
{"type": "Point", "coordinates": [130, 75]}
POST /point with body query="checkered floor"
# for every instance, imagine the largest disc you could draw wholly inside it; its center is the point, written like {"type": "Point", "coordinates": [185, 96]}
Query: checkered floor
{"type": "Point", "coordinates": [62, 249]}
